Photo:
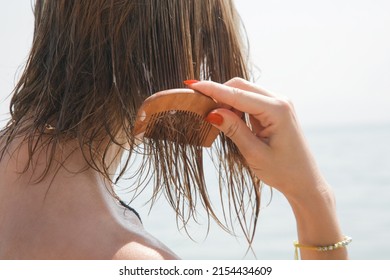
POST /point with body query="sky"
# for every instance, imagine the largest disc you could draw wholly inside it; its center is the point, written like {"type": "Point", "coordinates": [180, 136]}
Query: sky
{"type": "Point", "coordinates": [331, 58]}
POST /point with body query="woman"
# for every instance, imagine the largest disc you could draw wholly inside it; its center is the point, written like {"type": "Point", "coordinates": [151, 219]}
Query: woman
{"type": "Point", "coordinates": [92, 64]}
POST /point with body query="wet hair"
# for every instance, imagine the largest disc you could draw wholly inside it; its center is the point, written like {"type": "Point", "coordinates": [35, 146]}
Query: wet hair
{"type": "Point", "coordinates": [94, 62]}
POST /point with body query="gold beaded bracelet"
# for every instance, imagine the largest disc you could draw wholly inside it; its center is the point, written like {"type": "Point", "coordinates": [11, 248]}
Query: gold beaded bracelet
{"type": "Point", "coordinates": [340, 244]}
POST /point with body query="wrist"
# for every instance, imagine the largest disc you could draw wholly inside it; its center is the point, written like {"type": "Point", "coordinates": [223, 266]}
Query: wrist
{"type": "Point", "coordinates": [312, 191]}
{"type": "Point", "coordinates": [314, 208]}
{"type": "Point", "coordinates": [317, 221]}
{"type": "Point", "coordinates": [315, 198]}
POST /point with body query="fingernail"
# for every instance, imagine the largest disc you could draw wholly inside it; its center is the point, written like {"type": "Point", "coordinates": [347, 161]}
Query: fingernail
{"type": "Point", "coordinates": [214, 118]}
{"type": "Point", "coordinates": [190, 82]}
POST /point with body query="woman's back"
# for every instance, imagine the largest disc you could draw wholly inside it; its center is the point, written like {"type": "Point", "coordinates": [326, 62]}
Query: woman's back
{"type": "Point", "coordinates": [68, 216]}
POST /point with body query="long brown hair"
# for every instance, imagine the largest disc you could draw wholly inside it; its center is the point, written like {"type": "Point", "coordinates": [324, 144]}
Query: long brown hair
{"type": "Point", "coordinates": [93, 63]}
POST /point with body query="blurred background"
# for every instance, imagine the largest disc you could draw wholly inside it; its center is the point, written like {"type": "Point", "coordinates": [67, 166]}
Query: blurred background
{"type": "Point", "coordinates": [332, 59]}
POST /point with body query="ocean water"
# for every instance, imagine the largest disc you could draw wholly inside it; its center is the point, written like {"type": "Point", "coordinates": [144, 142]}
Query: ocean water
{"type": "Point", "coordinates": [355, 159]}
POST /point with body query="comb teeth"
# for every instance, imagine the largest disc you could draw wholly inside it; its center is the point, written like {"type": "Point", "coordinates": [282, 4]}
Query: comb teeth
{"type": "Point", "coordinates": [178, 126]}
{"type": "Point", "coordinates": [177, 115]}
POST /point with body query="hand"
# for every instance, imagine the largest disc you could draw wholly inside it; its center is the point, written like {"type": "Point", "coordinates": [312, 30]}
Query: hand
{"type": "Point", "coordinates": [275, 149]}
{"type": "Point", "coordinates": [274, 146]}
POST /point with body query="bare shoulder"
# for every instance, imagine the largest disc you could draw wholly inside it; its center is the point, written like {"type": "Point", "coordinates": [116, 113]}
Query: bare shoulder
{"type": "Point", "coordinates": [126, 241]}
{"type": "Point", "coordinates": [143, 251]}
{"type": "Point", "coordinates": [141, 245]}
{"type": "Point", "coordinates": [130, 242]}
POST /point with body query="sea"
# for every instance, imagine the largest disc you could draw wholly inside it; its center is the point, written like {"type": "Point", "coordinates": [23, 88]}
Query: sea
{"type": "Point", "coordinates": [355, 160]}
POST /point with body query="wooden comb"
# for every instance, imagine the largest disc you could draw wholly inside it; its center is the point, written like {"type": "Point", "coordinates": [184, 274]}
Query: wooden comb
{"type": "Point", "coordinates": [177, 115]}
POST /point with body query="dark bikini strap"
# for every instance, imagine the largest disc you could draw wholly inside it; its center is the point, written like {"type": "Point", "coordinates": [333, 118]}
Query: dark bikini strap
{"type": "Point", "coordinates": [131, 209]}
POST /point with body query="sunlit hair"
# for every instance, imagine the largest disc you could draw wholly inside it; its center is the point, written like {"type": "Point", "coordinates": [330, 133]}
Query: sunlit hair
{"type": "Point", "coordinates": [93, 63]}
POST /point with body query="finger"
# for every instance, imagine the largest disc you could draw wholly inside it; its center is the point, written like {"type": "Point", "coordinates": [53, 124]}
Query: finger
{"type": "Point", "coordinates": [237, 130]}
{"type": "Point", "coordinates": [248, 86]}
{"type": "Point", "coordinates": [257, 127]}
{"type": "Point", "coordinates": [239, 99]}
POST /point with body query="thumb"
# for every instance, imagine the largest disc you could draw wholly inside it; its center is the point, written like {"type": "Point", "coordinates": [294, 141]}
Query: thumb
{"type": "Point", "coordinates": [237, 130]}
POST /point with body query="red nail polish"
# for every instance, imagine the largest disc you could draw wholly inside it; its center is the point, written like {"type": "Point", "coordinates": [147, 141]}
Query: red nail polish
{"type": "Point", "coordinates": [214, 118]}
{"type": "Point", "coordinates": [190, 82]}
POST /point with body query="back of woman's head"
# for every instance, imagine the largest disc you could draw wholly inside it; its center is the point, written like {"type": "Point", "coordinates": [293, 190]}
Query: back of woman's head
{"type": "Point", "coordinates": [92, 64]}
